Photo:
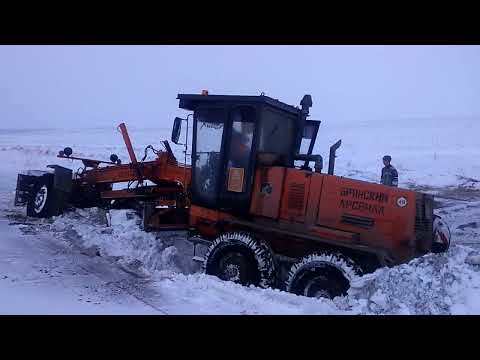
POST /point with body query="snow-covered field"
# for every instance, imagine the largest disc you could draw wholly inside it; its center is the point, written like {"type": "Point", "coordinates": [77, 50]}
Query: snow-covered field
{"type": "Point", "coordinates": [76, 264]}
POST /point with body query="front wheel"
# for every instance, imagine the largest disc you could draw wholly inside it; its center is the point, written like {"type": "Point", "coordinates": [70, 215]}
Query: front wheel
{"type": "Point", "coordinates": [240, 258]}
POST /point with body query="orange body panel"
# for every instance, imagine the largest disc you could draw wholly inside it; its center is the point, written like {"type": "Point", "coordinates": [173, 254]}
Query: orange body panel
{"type": "Point", "coordinates": [362, 213]}
{"type": "Point", "coordinates": [204, 220]}
{"type": "Point", "coordinates": [267, 191]}
{"type": "Point", "coordinates": [332, 234]}
{"type": "Point", "coordinates": [207, 214]}
{"type": "Point", "coordinates": [313, 199]}
{"type": "Point", "coordinates": [294, 201]}
{"type": "Point", "coordinates": [392, 225]}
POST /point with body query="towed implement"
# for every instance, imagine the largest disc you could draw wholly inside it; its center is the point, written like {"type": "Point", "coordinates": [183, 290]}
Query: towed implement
{"type": "Point", "coordinates": [256, 195]}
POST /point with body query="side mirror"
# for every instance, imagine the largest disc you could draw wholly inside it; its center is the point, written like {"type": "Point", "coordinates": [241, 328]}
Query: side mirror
{"type": "Point", "coordinates": [176, 130]}
{"type": "Point", "coordinates": [308, 131]}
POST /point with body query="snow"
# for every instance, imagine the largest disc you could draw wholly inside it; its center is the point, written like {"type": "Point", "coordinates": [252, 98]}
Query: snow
{"type": "Point", "coordinates": [38, 276]}
{"type": "Point", "coordinates": [427, 285]}
{"type": "Point", "coordinates": [87, 229]}
{"type": "Point", "coordinates": [428, 152]}
{"type": "Point", "coordinates": [434, 284]}
{"type": "Point", "coordinates": [55, 266]}
{"type": "Point", "coordinates": [435, 152]}
{"type": "Point", "coordinates": [473, 260]}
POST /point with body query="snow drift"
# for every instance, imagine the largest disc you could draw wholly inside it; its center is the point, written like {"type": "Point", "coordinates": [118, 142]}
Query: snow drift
{"type": "Point", "coordinates": [447, 283]}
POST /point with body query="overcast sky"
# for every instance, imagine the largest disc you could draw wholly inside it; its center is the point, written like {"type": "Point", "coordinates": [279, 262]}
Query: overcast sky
{"type": "Point", "coordinates": [101, 86]}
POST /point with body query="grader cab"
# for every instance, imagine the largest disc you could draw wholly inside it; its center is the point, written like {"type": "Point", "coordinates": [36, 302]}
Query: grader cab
{"type": "Point", "coordinates": [258, 197]}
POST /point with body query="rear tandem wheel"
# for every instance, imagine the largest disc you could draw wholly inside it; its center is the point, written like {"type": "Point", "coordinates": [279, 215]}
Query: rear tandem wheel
{"type": "Point", "coordinates": [326, 274]}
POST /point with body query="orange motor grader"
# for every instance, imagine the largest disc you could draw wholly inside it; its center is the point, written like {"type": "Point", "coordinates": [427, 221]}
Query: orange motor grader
{"type": "Point", "coordinates": [256, 195]}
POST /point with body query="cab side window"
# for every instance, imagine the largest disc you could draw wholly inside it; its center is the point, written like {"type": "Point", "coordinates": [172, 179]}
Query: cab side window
{"type": "Point", "coordinates": [242, 137]}
{"type": "Point", "coordinates": [277, 131]}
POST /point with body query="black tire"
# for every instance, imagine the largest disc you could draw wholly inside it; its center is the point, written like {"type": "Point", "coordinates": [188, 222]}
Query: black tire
{"type": "Point", "coordinates": [41, 201]}
{"type": "Point", "coordinates": [322, 275]}
{"type": "Point", "coordinates": [441, 235]}
{"type": "Point", "coordinates": [240, 258]}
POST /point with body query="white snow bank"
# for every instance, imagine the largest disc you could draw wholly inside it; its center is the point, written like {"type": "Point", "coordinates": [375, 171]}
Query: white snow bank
{"type": "Point", "coordinates": [434, 284]}
{"type": "Point", "coordinates": [203, 294]}
{"type": "Point", "coordinates": [137, 250]}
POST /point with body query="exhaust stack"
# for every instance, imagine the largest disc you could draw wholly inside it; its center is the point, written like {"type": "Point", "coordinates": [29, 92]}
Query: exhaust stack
{"type": "Point", "coordinates": [331, 160]}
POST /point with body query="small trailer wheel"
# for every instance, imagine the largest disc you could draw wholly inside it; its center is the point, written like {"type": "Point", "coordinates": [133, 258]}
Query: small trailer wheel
{"type": "Point", "coordinates": [40, 202]}
{"type": "Point", "coordinates": [326, 275]}
{"type": "Point", "coordinates": [240, 258]}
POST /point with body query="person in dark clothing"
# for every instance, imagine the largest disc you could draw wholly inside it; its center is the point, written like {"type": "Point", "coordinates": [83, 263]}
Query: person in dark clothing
{"type": "Point", "coordinates": [389, 173]}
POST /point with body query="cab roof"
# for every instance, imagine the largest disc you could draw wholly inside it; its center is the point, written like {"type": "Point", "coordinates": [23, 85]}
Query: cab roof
{"type": "Point", "coordinates": [191, 101]}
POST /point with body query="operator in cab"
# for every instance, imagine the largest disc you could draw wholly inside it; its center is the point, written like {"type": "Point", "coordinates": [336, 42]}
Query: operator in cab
{"type": "Point", "coordinates": [389, 173]}
{"type": "Point", "coordinates": [240, 147]}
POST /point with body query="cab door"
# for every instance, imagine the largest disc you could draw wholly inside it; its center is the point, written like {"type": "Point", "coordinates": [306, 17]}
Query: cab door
{"type": "Point", "coordinates": [207, 155]}
{"type": "Point", "coordinates": [239, 160]}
